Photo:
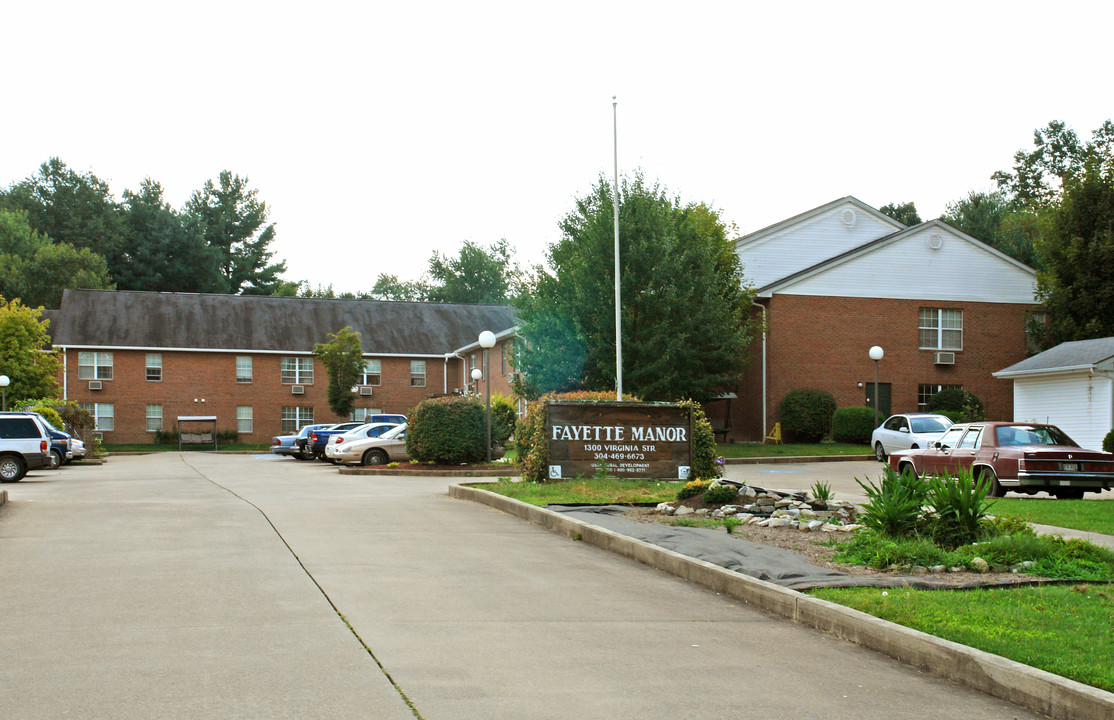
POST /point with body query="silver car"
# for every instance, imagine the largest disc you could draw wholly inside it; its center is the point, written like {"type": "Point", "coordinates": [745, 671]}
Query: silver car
{"type": "Point", "coordinates": [907, 431]}
{"type": "Point", "coordinates": [388, 447]}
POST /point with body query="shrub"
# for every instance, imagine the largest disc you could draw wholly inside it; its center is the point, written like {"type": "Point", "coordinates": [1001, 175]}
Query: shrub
{"type": "Point", "coordinates": [720, 494]}
{"type": "Point", "coordinates": [806, 414]}
{"type": "Point", "coordinates": [50, 414]}
{"type": "Point", "coordinates": [503, 418]}
{"type": "Point", "coordinates": [853, 425]}
{"type": "Point", "coordinates": [1108, 442]}
{"type": "Point", "coordinates": [959, 507]}
{"type": "Point", "coordinates": [957, 400]}
{"type": "Point", "coordinates": [893, 508]}
{"type": "Point", "coordinates": [705, 452]}
{"type": "Point", "coordinates": [692, 489]}
{"type": "Point", "coordinates": [447, 431]}
{"type": "Point", "coordinates": [822, 490]}
{"type": "Point", "coordinates": [954, 415]}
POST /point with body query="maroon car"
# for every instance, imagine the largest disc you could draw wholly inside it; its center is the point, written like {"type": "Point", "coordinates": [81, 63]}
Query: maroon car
{"type": "Point", "coordinates": [1022, 457]}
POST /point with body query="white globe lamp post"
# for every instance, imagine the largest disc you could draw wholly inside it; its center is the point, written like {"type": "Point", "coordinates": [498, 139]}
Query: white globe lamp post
{"type": "Point", "coordinates": [876, 354]}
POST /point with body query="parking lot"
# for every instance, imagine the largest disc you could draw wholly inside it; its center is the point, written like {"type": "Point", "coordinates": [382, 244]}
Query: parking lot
{"type": "Point", "coordinates": [203, 585]}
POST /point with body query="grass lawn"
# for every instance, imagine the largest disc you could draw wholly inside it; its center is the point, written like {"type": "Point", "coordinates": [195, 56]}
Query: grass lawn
{"type": "Point", "coordinates": [151, 447]}
{"type": "Point", "coordinates": [1064, 629]}
{"type": "Point", "coordinates": [588, 491]}
{"type": "Point", "coordinates": [1091, 515]}
{"type": "Point", "coordinates": [749, 450]}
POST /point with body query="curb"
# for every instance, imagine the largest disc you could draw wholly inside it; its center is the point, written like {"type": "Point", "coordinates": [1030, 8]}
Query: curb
{"type": "Point", "coordinates": [994, 675]}
{"type": "Point", "coordinates": [795, 459]}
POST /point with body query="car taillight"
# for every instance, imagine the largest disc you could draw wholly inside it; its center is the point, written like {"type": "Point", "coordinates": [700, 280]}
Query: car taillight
{"type": "Point", "coordinates": [340, 439]}
{"type": "Point", "coordinates": [44, 446]}
{"type": "Point", "coordinates": [313, 437]}
{"type": "Point", "coordinates": [276, 442]}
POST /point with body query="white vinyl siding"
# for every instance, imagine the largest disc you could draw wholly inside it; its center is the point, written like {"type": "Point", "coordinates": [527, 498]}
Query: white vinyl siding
{"type": "Point", "coordinates": [297, 371]}
{"type": "Point", "coordinates": [244, 419]}
{"type": "Point", "coordinates": [1082, 405]}
{"type": "Point", "coordinates": [94, 365]}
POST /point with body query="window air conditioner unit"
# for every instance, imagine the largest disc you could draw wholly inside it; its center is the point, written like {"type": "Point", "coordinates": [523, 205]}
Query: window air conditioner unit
{"type": "Point", "coordinates": [98, 436]}
{"type": "Point", "coordinates": [945, 358]}
{"type": "Point", "coordinates": [94, 384]}
{"type": "Point", "coordinates": [297, 389]}
{"type": "Point", "coordinates": [365, 391]}
{"type": "Point", "coordinates": [458, 391]}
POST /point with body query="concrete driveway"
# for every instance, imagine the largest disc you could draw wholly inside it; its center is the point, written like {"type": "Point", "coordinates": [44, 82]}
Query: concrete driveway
{"type": "Point", "coordinates": [233, 586]}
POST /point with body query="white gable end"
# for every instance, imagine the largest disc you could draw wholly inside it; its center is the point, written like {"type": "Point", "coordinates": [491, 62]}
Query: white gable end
{"type": "Point", "coordinates": [790, 247]}
{"type": "Point", "coordinates": [929, 262]}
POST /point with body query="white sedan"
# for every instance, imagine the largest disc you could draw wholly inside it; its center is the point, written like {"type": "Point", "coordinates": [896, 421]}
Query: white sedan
{"type": "Point", "coordinates": [388, 447]}
{"type": "Point", "coordinates": [907, 431]}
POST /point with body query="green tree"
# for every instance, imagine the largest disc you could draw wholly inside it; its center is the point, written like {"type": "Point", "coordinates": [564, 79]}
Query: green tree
{"type": "Point", "coordinates": [37, 270]}
{"type": "Point", "coordinates": [904, 213]}
{"type": "Point", "coordinates": [476, 275]}
{"type": "Point", "coordinates": [23, 340]}
{"type": "Point", "coordinates": [1058, 157]}
{"type": "Point", "coordinates": [166, 251]}
{"type": "Point", "coordinates": [993, 219]}
{"type": "Point", "coordinates": [1077, 252]}
{"type": "Point", "coordinates": [343, 358]}
{"type": "Point", "coordinates": [685, 311]}
{"type": "Point", "coordinates": [72, 208]}
{"type": "Point", "coordinates": [389, 287]}
{"type": "Point", "coordinates": [233, 222]}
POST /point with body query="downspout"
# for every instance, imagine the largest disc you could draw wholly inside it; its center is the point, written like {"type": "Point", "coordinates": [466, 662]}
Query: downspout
{"type": "Point", "coordinates": [65, 375]}
{"type": "Point", "coordinates": [765, 412]}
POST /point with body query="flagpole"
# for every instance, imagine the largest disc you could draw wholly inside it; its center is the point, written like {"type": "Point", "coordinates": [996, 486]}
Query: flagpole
{"type": "Point", "coordinates": [618, 306]}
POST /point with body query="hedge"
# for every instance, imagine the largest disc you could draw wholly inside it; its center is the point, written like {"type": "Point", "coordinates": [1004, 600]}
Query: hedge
{"type": "Point", "coordinates": [853, 425]}
{"type": "Point", "coordinates": [806, 414]}
{"type": "Point", "coordinates": [447, 431]}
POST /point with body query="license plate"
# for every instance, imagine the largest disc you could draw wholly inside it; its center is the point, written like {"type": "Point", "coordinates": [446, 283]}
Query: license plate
{"type": "Point", "coordinates": [1070, 467]}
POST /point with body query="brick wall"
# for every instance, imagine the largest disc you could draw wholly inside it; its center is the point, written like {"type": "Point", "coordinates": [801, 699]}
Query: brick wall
{"type": "Point", "coordinates": [204, 383]}
{"type": "Point", "coordinates": [822, 342]}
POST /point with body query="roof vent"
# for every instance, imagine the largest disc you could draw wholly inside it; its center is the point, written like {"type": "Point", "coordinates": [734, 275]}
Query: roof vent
{"type": "Point", "coordinates": [847, 217]}
{"type": "Point", "coordinates": [936, 241]}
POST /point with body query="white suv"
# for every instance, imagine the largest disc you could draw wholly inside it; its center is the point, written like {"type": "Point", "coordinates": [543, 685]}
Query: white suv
{"type": "Point", "coordinates": [24, 445]}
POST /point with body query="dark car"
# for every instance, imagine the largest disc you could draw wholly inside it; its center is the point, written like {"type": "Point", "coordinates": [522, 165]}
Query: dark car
{"type": "Point", "coordinates": [303, 444]}
{"type": "Point", "coordinates": [320, 437]}
{"type": "Point", "coordinates": [1022, 457]}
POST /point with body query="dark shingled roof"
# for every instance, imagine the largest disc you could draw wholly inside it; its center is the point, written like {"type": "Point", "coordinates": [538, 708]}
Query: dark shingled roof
{"type": "Point", "coordinates": [1078, 354]}
{"type": "Point", "coordinates": [104, 318]}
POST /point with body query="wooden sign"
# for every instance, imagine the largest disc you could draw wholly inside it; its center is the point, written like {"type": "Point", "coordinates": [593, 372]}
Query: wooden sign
{"type": "Point", "coordinates": [637, 440]}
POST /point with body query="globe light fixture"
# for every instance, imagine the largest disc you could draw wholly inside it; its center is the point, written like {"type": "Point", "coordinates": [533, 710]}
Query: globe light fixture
{"type": "Point", "coordinates": [4, 383]}
{"type": "Point", "coordinates": [487, 341]}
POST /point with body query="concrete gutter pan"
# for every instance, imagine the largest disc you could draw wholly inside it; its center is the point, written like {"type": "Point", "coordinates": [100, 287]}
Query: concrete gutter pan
{"type": "Point", "coordinates": [1015, 682]}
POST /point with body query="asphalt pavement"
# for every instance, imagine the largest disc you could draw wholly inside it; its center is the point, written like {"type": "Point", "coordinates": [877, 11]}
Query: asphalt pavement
{"type": "Point", "coordinates": [203, 585]}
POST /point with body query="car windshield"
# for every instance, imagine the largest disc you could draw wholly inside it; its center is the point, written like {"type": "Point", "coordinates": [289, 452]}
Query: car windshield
{"type": "Point", "coordinates": [929, 425]}
{"type": "Point", "coordinates": [393, 433]}
{"type": "Point", "coordinates": [1033, 435]}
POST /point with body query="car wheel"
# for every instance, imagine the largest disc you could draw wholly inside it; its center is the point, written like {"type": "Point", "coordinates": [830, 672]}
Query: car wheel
{"type": "Point", "coordinates": [907, 467]}
{"type": "Point", "coordinates": [879, 452]}
{"type": "Point", "coordinates": [303, 455]}
{"type": "Point", "coordinates": [996, 489]}
{"type": "Point", "coordinates": [55, 460]}
{"type": "Point", "coordinates": [374, 457]}
{"type": "Point", "coordinates": [11, 469]}
{"type": "Point", "coordinates": [1068, 494]}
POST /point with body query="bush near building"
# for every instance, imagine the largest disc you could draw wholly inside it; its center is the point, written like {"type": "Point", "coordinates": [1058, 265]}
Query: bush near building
{"type": "Point", "coordinates": [853, 425]}
{"type": "Point", "coordinates": [806, 414]}
{"type": "Point", "coordinates": [447, 431]}
{"type": "Point", "coordinates": [957, 400]}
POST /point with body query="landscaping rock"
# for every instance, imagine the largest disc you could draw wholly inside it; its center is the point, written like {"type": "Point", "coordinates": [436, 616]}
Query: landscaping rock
{"type": "Point", "coordinates": [979, 565]}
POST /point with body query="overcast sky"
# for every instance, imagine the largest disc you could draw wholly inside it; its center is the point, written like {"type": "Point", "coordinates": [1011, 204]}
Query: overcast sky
{"type": "Point", "coordinates": [379, 132]}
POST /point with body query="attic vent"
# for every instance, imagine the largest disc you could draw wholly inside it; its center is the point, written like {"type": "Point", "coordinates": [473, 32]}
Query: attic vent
{"type": "Point", "coordinates": [945, 358]}
{"type": "Point", "coordinates": [297, 390]}
{"type": "Point", "coordinates": [847, 217]}
{"type": "Point", "coordinates": [936, 241]}
{"type": "Point", "coordinates": [365, 391]}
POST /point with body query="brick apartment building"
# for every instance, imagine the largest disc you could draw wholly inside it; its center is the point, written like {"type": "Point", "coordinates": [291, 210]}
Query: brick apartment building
{"type": "Point", "coordinates": [140, 360]}
{"type": "Point", "coordinates": [946, 309]}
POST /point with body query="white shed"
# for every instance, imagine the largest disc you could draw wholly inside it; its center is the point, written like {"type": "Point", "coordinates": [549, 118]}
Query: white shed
{"type": "Point", "coordinates": [1071, 386]}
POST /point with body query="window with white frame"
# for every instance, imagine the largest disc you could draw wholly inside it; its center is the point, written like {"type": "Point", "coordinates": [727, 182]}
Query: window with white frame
{"type": "Point", "coordinates": [471, 363]}
{"type": "Point", "coordinates": [244, 419]}
{"type": "Point", "coordinates": [154, 418]}
{"type": "Point", "coordinates": [362, 414]}
{"type": "Point", "coordinates": [373, 372]}
{"type": "Point", "coordinates": [417, 373]}
{"type": "Point", "coordinates": [297, 371]}
{"type": "Point", "coordinates": [94, 366]}
{"type": "Point", "coordinates": [154, 366]}
{"type": "Point", "coordinates": [926, 391]}
{"type": "Point", "coordinates": [503, 357]}
{"type": "Point", "coordinates": [521, 408]}
{"type": "Point", "coordinates": [940, 329]}
{"type": "Point", "coordinates": [102, 414]}
{"type": "Point", "coordinates": [295, 418]}
{"type": "Point", "coordinates": [243, 368]}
